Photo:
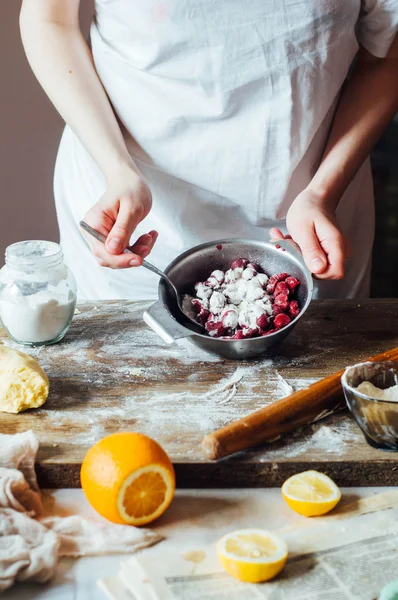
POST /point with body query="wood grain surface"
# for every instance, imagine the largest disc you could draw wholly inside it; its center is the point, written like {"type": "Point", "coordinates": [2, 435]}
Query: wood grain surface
{"type": "Point", "coordinates": [111, 373]}
{"type": "Point", "coordinates": [301, 407]}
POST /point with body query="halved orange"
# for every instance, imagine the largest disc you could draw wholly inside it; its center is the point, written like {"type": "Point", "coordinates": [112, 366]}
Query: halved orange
{"type": "Point", "coordinates": [128, 478]}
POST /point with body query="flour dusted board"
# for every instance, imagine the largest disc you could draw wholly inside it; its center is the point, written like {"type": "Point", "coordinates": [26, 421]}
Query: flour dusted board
{"type": "Point", "coordinates": [111, 373]}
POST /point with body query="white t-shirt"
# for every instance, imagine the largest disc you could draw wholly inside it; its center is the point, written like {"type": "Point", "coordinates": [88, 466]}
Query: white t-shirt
{"type": "Point", "coordinates": [226, 107]}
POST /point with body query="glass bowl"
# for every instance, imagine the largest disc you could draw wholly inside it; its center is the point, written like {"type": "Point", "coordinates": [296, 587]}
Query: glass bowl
{"type": "Point", "coordinates": [378, 419]}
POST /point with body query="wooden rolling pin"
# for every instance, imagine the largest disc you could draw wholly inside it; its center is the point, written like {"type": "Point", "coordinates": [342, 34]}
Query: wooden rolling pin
{"type": "Point", "coordinates": [300, 408]}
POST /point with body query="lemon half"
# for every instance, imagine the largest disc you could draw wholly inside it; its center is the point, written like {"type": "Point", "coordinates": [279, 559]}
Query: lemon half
{"type": "Point", "coordinates": [252, 555]}
{"type": "Point", "coordinates": [311, 493]}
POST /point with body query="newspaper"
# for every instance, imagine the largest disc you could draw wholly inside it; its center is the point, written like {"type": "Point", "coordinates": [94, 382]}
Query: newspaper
{"type": "Point", "coordinates": [340, 559]}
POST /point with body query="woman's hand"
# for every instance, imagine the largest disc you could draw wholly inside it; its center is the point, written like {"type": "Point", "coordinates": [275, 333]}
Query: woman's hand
{"type": "Point", "coordinates": [126, 202]}
{"type": "Point", "coordinates": [313, 227]}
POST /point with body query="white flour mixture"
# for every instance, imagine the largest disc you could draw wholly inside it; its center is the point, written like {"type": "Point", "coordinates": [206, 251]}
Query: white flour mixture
{"type": "Point", "coordinates": [37, 318]}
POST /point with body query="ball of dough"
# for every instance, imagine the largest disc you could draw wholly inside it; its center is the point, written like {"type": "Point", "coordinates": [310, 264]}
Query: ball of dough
{"type": "Point", "coordinates": [23, 383]}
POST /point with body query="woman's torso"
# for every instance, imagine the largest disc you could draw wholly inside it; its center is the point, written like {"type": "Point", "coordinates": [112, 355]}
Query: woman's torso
{"type": "Point", "coordinates": [231, 96]}
{"type": "Point", "coordinates": [226, 106]}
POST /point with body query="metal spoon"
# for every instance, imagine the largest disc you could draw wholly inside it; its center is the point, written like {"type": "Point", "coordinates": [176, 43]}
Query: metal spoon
{"type": "Point", "coordinates": [183, 302]}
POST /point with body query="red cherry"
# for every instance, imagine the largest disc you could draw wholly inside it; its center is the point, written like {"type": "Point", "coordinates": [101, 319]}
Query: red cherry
{"type": "Point", "coordinates": [197, 304]}
{"type": "Point", "coordinates": [292, 282]}
{"type": "Point", "coordinates": [203, 316]}
{"type": "Point", "coordinates": [238, 335]}
{"type": "Point", "coordinates": [262, 322]}
{"type": "Point", "coordinates": [274, 279]}
{"type": "Point", "coordinates": [249, 333]}
{"type": "Point", "coordinates": [253, 266]}
{"type": "Point", "coordinates": [281, 288]}
{"type": "Point", "coordinates": [294, 309]}
{"type": "Point", "coordinates": [281, 321]}
{"type": "Point", "coordinates": [215, 326]}
{"type": "Point", "coordinates": [282, 301]}
{"type": "Point", "coordinates": [239, 263]}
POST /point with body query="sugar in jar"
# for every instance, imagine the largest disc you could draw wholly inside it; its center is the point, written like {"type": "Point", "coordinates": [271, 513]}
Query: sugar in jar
{"type": "Point", "coordinates": [37, 293]}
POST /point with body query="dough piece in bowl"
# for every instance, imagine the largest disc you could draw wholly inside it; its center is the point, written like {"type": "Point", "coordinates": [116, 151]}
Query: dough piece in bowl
{"type": "Point", "coordinates": [23, 383]}
{"type": "Point", "coordinates": [367, 388]}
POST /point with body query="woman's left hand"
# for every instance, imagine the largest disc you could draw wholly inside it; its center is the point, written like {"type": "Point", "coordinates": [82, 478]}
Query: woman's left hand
{"type": "Point", "coordinates": [314, 229]}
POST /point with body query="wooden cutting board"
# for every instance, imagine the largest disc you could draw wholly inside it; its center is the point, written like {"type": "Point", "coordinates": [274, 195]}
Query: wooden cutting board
{"type": "Point", "coordinates": [112, 373]}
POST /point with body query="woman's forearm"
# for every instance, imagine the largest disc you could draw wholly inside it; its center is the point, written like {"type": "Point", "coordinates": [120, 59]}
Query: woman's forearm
{"type": "Point", "coordinates": [367, 104]}
{"type": "Point", "coordinates": [63, 64]}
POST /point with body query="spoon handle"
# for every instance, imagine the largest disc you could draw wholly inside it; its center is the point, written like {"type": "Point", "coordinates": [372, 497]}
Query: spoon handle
{"type": "Point", "coordinates": [97, 235]}
{"type": "Point", "coordinates": [154, 269]}
{"type": "Point", "coordinates": [93, 232]}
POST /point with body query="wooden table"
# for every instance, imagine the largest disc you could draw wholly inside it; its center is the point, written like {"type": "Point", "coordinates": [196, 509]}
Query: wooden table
{"type": "Point", "coordinates": [111, 373]}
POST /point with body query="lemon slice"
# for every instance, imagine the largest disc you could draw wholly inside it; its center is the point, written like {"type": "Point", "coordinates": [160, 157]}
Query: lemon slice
{"type": "Point", "coordinates": [311, 493]}
{"type": "Point", "coordinates": [252, 555]}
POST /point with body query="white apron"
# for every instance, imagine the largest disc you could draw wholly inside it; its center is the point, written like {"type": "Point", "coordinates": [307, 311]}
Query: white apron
{"type": "Point", "coordinates": [226, 106]}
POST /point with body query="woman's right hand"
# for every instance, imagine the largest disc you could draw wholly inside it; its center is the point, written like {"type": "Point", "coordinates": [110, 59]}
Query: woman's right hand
{"type": "Point", "coordinates": [126, 202]}
{"type": "Point", "coordinates": [313, 227]}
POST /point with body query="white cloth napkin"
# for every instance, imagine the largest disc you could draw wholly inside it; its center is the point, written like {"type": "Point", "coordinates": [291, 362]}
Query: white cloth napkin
{"type": "Point", "coordinates": [30, 542]}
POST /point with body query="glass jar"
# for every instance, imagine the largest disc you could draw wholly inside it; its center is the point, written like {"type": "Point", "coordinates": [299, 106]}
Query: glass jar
{"type": "Point", "coordinates": [37, 293]}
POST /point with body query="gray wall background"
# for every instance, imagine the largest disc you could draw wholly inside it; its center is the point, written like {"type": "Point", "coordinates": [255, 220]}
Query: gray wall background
{"type": "Point", "coordinates": [30, 131]}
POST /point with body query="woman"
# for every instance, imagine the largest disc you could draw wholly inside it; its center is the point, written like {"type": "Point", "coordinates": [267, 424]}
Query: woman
{"type": "Point", "coordinates": [201, 120]}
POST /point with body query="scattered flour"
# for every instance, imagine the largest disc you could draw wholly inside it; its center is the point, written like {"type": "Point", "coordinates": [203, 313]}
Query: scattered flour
{"type": "Point", "coordinates": [333, 439]}
{"type": "Point", "coordinates": [285, 388]}
{"type": "Point", "coordinates": [193, 407]}
{"type": "Point", "coordinates": [329, 439]}
{"type": "Point", "coordinates": [227, 385]}
{"type": "Point", "coordinates": [194, 377]}
{"type": "Point", "coordinates": [137, 372]}
{"type": "Point", "coordinates": [130, 371]}
{"type": "Point", "coordinates": [201, 407]}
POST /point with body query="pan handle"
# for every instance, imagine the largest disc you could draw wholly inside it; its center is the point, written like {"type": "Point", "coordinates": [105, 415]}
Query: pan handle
{"type": "Point", "coordinates": [164, 325]}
